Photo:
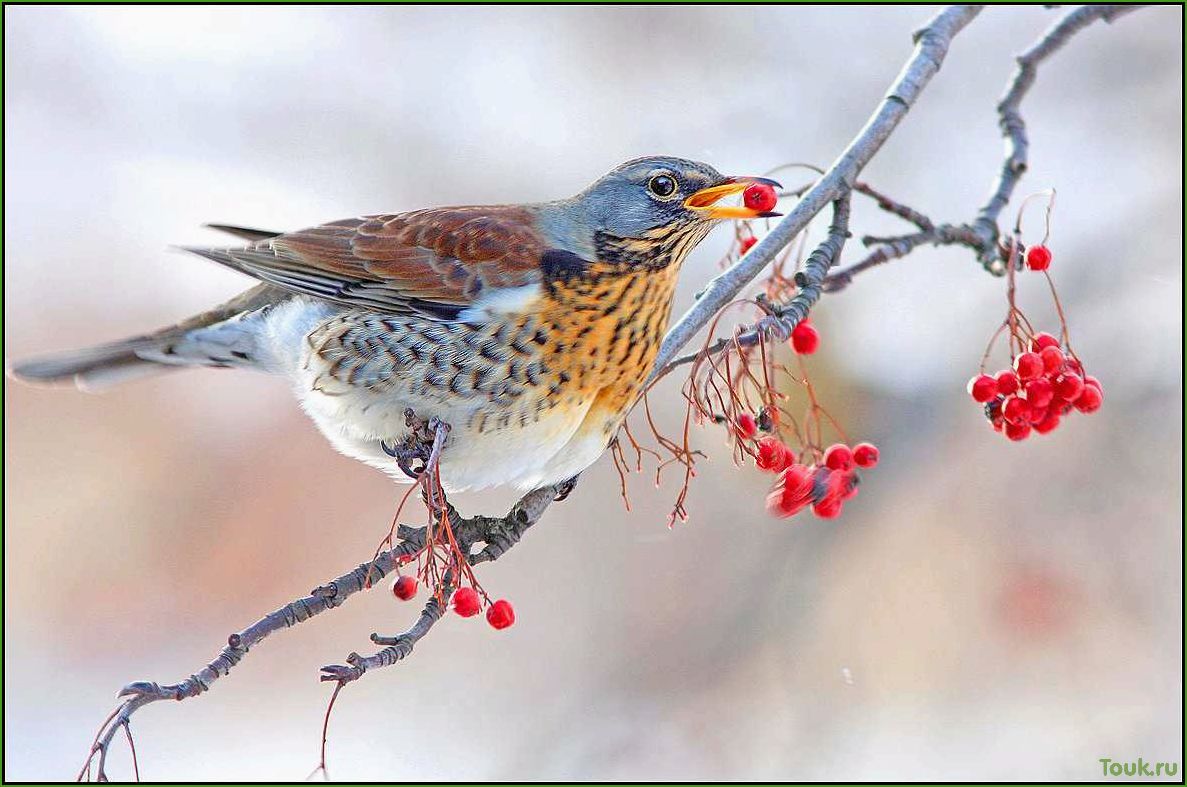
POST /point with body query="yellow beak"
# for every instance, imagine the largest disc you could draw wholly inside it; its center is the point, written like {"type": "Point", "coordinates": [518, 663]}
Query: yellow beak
{"type": "Point", "coordinates": [704, 201]}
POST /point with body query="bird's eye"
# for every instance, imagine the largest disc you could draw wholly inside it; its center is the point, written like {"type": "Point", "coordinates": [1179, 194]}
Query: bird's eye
{"type": "Point", "coordinates": [662, 185]}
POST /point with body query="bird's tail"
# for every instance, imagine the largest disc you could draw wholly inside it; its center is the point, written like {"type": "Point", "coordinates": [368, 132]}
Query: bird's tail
{"type": "Point", "coordinates": [227, 335]}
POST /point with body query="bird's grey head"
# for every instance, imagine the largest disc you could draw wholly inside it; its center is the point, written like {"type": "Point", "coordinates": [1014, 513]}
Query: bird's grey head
{"type": "Point", "coordinates": [654, 192]}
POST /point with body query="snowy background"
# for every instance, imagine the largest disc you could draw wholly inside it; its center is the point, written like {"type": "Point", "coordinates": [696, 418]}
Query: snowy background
{"type": "Point", "coordinates": [983, 611]}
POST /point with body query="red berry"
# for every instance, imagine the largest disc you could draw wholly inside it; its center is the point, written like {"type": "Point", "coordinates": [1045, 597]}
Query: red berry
{"type": "Point", "coordinates": [501, 614]}
{"type": "Point", "coordinates": [747, 426]}
{"type": "Point", "coordinates": [1041, 341]}
{"type": "Point", "coordinates": [1090, 399]}
{"type": "Point", "coordinates": [1016, 411]}
{"type": "Point", "coordinates": [804, 338]}
{"type": "Point", "coordinates": [982, 388]}
{"type": "Point", "coordinates": [760, 197]}
{"type": "Point", "coordinates": [1007, 382]}
{"type": "Point", "coordinates": [1038, 258]}
{"type": "Point", "coordinates": [1052, 359]}
{"type": "Point", "coordinates": [793, 492]}
{"type": "Point", "coordinates": [746, 244]}
{"type": "Point", "coordinates": [1040, 392]}
{"type": "Point", "coordinates": [829, 508]}
{"type": "Point", "coordinates": [1028, 365]}
{"type": "Point", "coordinates": [773, 455]}
{"type": "Point", "coordinates": [838, 457]}
{"type": "Point", "coordinates": [1048, 423]}
{"type": "Point", "coordinates": [404, 588]}
{"type": "Point", "coordinates": [1017, 432]}
{"type": "Point", "coordinates": [865, 455]}
{"type": "Point", "coordinates": [1068, 387]}
{"type": "Point", "coordinates": [466, 602]}
{"type": "Point", "coordinates": [1095, 383]}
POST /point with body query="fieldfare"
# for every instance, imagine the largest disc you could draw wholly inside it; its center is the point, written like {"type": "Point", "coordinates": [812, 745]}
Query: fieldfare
{"type": "Point", "coordinates": [529, 329]}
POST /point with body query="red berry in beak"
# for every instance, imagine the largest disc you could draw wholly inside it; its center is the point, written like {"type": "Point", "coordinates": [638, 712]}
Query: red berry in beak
{"type": "Point", "coordinates": [501, 614]}
{"type": "Point", "coordinates": [466, 602]}
{"type": "Point", "coordinates": [747, 426]}
{"type": "Point", "coordinates": [760, 197]}
{"type": "Point", "coordinates": [404, 587]}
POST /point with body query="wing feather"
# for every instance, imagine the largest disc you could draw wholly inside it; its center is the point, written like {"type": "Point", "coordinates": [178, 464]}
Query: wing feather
{"type": "Point", "coordinates": [435, 262]}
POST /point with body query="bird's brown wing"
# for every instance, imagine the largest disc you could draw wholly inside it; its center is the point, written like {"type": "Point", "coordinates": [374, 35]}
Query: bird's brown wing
{"type": "Point", "coordinates": [436, 262]}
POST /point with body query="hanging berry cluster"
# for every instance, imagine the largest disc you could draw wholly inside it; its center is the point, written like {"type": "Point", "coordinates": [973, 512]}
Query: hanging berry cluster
{"type": "Point", "coordinates": [1044, 385]}
{"type": "Point", "coordinates": [752, 387]}
{"type": "Point", "coordinates": [764, 429]}
{"type": "Point", "coordinates": [466, 601]}
{"type": "Point", "coordinates": [1045, 381]}
{"type": "Point", "coordinates": [824, 486]}
{"type": "Point", "coordinates": [441, 562]}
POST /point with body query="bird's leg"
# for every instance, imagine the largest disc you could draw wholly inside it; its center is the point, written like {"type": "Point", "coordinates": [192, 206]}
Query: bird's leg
{"type": "Point", "coordinates": [566, 488]}
{"type": "Point", "coordinates": [415, 449]}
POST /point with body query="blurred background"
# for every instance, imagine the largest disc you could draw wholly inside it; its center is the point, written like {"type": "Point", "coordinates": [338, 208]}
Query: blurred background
{"type": "Point", "coordinates": [984, 610]}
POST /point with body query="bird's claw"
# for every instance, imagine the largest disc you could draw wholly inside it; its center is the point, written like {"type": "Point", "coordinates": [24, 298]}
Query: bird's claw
{"type": "Point", "coordinates": [565, 489]}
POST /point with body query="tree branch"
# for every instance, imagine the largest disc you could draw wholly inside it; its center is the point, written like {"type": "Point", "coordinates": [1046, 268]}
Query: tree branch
{"type": "Point", "coordinates": [782, 318]}
{"type": "Point", "coordinates": [981, 235]}
{"type": "Point", "coordinates": [1013, 127]}
{"type": "Point", "coordinates": [497, 534]}
{"type": "Point", "coordinates": [931, 46]}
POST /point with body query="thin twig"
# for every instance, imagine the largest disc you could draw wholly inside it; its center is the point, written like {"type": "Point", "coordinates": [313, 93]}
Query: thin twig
{"type": "Point", "coordinates": [497, 533]}
{"type": "Point", "coordinates": [982, 234]}
{"type": "Point", "coordinates": [782, 318]}
{"type": "Point", "coordinates": [1013, 127]}
{"type": "Point", "coordinates": [931, 46]}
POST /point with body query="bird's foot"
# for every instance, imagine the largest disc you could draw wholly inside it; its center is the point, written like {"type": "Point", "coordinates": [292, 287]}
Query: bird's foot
{"type": "Point", "coordinates": [414, 450]}
{"type": "Point", "coordinates": [566, 488]}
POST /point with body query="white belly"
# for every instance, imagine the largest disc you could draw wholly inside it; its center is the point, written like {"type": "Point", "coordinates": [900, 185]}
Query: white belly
{"type": "Point", "coordinates": [357, 421]}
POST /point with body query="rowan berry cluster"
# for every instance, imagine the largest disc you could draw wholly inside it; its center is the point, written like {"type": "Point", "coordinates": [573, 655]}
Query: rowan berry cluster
{"type": "Point", "coordinates": [825, 482]}
{"type": "Point", "coordinates": [1046, 381]}
{"type": "Point", "coordinates": [1043, 386]}
{"type": "Point", "coordinates": [465, 602]}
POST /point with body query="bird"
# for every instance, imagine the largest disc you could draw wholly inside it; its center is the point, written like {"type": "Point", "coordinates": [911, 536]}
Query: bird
{"type": "Point", "coordinates": [529, 329]}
